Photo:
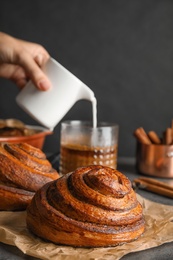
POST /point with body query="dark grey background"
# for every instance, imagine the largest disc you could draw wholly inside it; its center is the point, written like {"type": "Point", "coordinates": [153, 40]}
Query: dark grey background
{"type": "Point", "coordinates": [123, 50]}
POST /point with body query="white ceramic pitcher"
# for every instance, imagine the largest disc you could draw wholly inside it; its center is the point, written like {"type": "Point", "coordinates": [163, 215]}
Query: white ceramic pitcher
{"type": "Point", "coordinates": [49, 107]}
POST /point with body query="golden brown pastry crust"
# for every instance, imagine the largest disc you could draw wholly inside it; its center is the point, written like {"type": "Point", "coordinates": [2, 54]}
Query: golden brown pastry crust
{"type": "Point", "coordinates": [13, 198]}
{"type": "Point", "coordinates": [23, 170]}
{"type": "Point", "coordinates": [90, 207]}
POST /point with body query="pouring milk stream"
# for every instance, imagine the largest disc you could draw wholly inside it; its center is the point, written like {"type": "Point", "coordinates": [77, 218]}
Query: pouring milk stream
{"type": "Point", "coordinates": [49, 107]}
{"type": "Point", "coordinates": [94, 145]}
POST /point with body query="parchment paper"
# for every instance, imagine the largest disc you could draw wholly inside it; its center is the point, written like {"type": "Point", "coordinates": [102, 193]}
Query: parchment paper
{"type": "Point", "coordinates": [159, 230]}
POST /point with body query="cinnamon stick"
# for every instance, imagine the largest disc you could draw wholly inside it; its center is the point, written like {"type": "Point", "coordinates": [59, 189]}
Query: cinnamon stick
{"type": "Point", "coordinates": [154, 186]}
{"type": "Point", "coordinates": [142, 136]}
{"type": "Point", "coordinates": [154, 137]}
{"type": "Point", "coordinates": [168, 136]}
{"type": "Point", "coordinates": [172, 128]}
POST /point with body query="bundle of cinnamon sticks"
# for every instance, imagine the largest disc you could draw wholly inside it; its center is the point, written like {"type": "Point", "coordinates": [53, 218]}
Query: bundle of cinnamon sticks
{"type": "Point", "coordinates": [152, 137]}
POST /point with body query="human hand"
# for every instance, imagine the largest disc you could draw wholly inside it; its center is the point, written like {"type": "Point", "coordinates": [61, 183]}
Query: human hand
{"type": "Point", "coordinates": [21, 60]}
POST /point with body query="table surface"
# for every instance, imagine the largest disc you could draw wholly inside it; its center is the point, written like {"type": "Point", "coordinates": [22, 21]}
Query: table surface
{"type": "Point", "coordinates": [163, 252]}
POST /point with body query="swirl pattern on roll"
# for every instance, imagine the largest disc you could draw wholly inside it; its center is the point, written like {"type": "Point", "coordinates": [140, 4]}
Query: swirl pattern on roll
{"type": "Point", "coordinates": [23, 170]}
{"type": "Point", "coordinates": [90, 207]}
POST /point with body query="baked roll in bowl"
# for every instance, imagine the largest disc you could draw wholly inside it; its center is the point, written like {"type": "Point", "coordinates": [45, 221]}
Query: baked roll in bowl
{"type": "Point", "coordinates": [23, 170]}
{"type": "Point", "coordinates": [93, 206]}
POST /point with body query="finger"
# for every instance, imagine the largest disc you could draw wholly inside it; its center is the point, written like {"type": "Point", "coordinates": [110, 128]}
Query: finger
{"type": "Point", "coordinates": [37, 51]}
{"type": "Point", "coordinates": [7, 70]}
{"type": "Point", "coordinates": [20, 82]}
{"type": "Point", "coordinates": [39, 59]}
{"type": "Point", "coordinates": [34, 71]}
{"type": "Point", "coordinates": [14, 73]}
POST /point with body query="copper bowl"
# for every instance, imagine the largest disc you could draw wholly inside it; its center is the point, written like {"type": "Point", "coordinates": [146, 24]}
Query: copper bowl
{"type": "Point", "coordinates": [36, 139]}
{"type": "Point", "coordinates": [155, 160]}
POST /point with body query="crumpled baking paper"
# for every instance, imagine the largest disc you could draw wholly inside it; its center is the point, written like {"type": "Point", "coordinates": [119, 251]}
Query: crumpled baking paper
{"type": "Point", "coordinates": [159, 223]}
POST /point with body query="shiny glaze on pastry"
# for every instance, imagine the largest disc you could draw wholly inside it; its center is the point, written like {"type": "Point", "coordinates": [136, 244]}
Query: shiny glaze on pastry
{"type": "Point", "coordinates": [90, 207]}
{"type": "Point", "coordinates": [23, 170]}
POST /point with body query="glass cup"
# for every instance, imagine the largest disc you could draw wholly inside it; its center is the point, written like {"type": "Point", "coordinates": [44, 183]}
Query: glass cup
{"type": "Point", "coordinates": [83, 145]}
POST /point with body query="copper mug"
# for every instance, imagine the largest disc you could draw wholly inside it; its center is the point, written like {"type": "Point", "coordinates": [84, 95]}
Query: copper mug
{"type": "Point", "coordinates": [155, 160]}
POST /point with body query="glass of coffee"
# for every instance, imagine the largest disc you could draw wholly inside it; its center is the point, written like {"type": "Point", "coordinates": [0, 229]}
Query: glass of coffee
{"type": "Point", "coordinates": [82, 145]}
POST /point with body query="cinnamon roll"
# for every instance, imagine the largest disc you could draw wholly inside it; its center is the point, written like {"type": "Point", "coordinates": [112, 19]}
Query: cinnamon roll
{"type": "Point", "coordinates": [90, 207]}
{"type": "Point", "coordinates": [23, 170]}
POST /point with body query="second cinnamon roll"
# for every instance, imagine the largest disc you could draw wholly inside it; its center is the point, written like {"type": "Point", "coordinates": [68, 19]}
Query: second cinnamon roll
{"type": "Point", "coordinates": [23, 170]}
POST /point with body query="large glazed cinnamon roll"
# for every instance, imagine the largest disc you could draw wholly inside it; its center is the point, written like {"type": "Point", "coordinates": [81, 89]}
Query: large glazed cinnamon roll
{"type": "Point", "coordinates": [90, 207]}
{"type": "Point", "coordinates": [23, 170]}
